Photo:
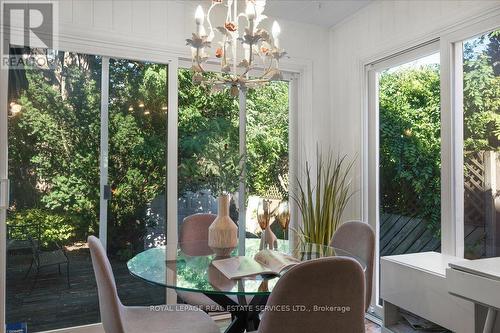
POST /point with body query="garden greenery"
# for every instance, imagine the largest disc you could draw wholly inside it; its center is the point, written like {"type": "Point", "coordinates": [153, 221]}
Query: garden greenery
{"type": "Point", "coordinates": [410, 128]}
{"type": "Point", "coordinates": [54, 143]}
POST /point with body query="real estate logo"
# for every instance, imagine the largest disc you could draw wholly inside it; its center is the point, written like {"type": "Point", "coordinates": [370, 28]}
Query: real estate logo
{"type": "Point", "coordinates": [26, 24]}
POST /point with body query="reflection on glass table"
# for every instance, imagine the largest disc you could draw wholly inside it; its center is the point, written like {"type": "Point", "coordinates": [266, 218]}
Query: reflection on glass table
{"type": "Point", "coordinates": [192, 270]}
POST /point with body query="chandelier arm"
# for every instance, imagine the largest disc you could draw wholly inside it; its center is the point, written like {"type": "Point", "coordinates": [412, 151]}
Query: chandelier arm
{"type": "Point", "coordinates": [198, 60]}
{"type": "Point", "coordinates": [208, 18]}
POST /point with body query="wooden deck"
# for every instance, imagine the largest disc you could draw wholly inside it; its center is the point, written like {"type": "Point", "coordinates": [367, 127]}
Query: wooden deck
{"type": "Point", "coordinates": [51, 305]}
{"type": "Point", "coordinates": [403, 234]}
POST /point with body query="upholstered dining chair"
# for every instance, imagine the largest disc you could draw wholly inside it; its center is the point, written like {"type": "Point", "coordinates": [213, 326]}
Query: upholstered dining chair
{"type": "Point", "coordinates": [193, 241]}
{"type": "Point", "coordinates": [317, 296]}
{"type": "Point", "coordinates": [358, 238]}
{"type": "Point", "coordinates": [117, 318]}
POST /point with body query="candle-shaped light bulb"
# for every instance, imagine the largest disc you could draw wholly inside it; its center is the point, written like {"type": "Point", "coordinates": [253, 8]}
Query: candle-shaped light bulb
{"type": "Point", "coordinates": [276, 30]}
{"type": "Point", "coordinates": [250, 11]}
{"type": "Point", "coordinates": [199, 18]}
{"type": "Point", "coordinates": [199, 15]}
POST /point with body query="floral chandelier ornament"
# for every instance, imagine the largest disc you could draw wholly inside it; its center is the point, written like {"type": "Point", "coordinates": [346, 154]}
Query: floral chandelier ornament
{"type": "Point", "coordinates": [261, 56]}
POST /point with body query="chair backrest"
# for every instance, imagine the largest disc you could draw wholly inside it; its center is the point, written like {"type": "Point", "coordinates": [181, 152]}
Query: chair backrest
{"type": "Point", "coordinates": [193, 238]}
{"type": "Point", "coordinates": [109, 303]}
{"type": "Point", "coordinates": [358, 238]}
{"type": "Point", "coordinates": [317, 296]}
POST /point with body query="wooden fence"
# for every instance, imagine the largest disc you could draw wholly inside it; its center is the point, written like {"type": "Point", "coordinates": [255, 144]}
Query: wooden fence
{"type": "Point", "coordinates": [481, 202]}
{"type": "Point", "coordinates": [405, 232]}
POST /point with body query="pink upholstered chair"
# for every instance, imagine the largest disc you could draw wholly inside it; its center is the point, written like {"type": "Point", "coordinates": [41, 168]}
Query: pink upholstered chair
{"type": "Point", "coordinates": [117, 318]}
{"type": "Point", "coordinates": [358, 238]}
{"type": "Point", "coordinates": [327, 282]}
{"type": "Point", "coordinates": [193, 241]}
{"type": "Point", "coordinates": [193, 236]}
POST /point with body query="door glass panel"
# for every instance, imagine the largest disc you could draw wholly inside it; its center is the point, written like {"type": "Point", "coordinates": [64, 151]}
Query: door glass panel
{"type": "Point", "coordinates": [410, 160]}
{"type": "Point", "coordinates": [267, 149]}
{"type": "Point", "coordinates": [53, 142]}
{"type": "Point", "coordinates": [137, 170]}
{"type": "Point", "coordinates": [209, 129]}
{"type": "Point", "coordinates": [481, 107]}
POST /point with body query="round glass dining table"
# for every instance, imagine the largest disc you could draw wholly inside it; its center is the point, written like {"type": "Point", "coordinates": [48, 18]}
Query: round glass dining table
{"type": "Point", "coordinates": [190, 269]}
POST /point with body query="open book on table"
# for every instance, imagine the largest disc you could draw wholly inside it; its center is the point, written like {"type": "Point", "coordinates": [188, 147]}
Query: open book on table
{"type": "Point", "coordinates": [265, 262]}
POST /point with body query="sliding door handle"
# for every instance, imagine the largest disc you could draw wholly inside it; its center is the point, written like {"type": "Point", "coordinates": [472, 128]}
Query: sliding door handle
{"type": "Point", "coordinates": [4, 193]}
{"type": "Point", "coordinates": [106, 192]}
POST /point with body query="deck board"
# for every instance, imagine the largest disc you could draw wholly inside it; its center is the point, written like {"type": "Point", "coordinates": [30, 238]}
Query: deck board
{"type": "Point", "coordinates": [52, 305]}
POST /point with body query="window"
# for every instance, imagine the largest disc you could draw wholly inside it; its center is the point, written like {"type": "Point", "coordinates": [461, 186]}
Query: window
{"type": "Point", "coordinates": [481, 145]}
{"type": "Point", "coordinates": [137, 170]}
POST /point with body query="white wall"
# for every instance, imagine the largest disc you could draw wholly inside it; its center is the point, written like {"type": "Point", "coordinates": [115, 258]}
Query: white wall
{"type": "Point", "coordinates": [376, 29]}
{"type": "Point", "coordinates": [156, 24]}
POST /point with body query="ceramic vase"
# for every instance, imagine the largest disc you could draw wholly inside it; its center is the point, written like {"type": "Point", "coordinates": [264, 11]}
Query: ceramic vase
{"type": "Point", "coordinates": [223, 232]}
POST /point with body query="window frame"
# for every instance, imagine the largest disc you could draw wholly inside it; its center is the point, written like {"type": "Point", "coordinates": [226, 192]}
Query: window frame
{"type": "Point", "coordinates": [373, 71]}
{"type": "Point", "coordinates": [449, 43]}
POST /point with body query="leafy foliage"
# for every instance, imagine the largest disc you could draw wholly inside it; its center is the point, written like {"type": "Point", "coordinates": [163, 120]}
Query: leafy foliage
{"type": "Point", "coordinates": [54, 143]}
{"type": "Point", "coordinates": [410, 127]}
{"type": "Point", "coordinates": [410, 144]}
{"type": "Point", "coordinates": [56, 227]}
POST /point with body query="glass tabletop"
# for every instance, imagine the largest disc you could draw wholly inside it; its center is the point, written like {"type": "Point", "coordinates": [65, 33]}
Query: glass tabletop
{"type": "Point", "coordinates": [192, 269]}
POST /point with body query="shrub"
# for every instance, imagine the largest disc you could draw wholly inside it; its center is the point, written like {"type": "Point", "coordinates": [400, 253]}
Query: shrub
{"type": "Point", "coordinates": [47, 226]}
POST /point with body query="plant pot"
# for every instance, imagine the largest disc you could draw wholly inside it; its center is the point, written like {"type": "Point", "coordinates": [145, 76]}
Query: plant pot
{"type": "Point", "coordinates": [223, 232]}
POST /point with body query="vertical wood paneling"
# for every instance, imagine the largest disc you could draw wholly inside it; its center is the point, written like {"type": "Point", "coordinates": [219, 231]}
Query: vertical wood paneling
{"type": "Point", "coordinates": [141, 21]}
{"type": "Point", "coordinates": [66, 11]}
{"type": "Point", "coordinates": [83, 13]}
{"type": "Point", "coordinates": [122, 16]}
{"type": "Point", "coordinates": [178, 18]}
{"type": "Point", "coordinates": [103, 14]}
{"type": "Point", "coordinates": [159, 19]}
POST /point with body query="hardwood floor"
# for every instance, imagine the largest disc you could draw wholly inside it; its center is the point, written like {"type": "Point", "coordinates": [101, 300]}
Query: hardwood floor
{"type": "Point", "coordinates": [369, 326]}
{"type": "Point", "coordinates": [50, 304]}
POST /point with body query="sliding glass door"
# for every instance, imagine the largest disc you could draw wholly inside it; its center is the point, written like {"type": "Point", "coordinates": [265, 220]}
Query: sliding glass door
{"type": "Point", "coordinates": [137, 170]}
{"type": "Point", "coordinates": [65, 136]}
{"type": "Point", "coordinates": [53, 144]}
{"type": "Point", "coordinates": [208, 134]}
{"type": "Point", "coordinates": [405, 161]}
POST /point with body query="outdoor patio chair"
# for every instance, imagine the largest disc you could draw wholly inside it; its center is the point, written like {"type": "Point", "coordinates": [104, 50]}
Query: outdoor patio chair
{"type": "Point", "coordinates": [42, 259]}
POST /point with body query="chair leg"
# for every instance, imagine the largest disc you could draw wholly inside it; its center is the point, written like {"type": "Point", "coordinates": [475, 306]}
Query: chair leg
{"type": "Point", "coordinates": [29, 270]}
{"type": "Point", "coordinates": [67, 274]}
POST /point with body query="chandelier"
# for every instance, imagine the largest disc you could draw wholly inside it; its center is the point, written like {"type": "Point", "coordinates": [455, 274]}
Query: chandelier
{"type": "Point", "coordinates": [249, 57]}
